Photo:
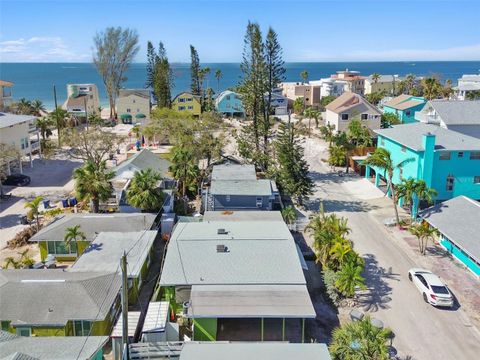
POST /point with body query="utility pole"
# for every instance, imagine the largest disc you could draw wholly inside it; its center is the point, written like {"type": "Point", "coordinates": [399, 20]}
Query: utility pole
{"type": "Point", "coordinates": [124, 296]}
{"type": "Point", "coordinates": [56, 113]}
{"type": "Point", "coordinates": [85, 105]}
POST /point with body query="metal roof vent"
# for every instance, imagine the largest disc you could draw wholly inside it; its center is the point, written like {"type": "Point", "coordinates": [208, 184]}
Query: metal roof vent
{"type": "Point", "coordinates": [222, 232]}
{"type": "Point", "coordinates": [222, 249]}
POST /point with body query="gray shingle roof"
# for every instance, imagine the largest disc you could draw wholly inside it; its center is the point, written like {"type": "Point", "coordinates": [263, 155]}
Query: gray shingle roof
{"type": "Point", "coordinates": [410, 135]}
{"type": "Point", "coordinates": [458, 219]}
{"type": "Point", "coordinates": [252, 350]}
{"type": "Point", "coordinates": [51, 347]}
{"type": "Point", "coordinates": [233, 172]}
{"type": "Point", "coordinates": [105, 252]}
{"type": "Point", "coordinates": [455, 112]}
{"type": "Point", "coordinates": [261, 187]}
{"type": "Point", "coordinates": [143, 160]}
{"type": "Point", "coordinates": [230, 215]}
{"type": "Point", "coordinates": [258, 253]}
{"type": "Point", "coordinates": [93, 224]}
{"type": "Point", "coordinates": [53, 297]}
{"type": "Point", "coordinates": [7, 119]}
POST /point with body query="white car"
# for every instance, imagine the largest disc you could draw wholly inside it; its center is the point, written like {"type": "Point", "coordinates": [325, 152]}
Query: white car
{"type": "Point", "coordinates": [433, 290]}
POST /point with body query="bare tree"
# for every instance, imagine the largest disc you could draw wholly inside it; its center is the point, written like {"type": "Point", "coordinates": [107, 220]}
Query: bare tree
{"type": "Point", "coordinates": [115, 49]}
{"type": "Point", "coordinates": [92, 145]}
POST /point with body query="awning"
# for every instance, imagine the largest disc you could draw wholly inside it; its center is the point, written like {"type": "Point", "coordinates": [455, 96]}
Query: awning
{"type": "Point", "coordinates": [359, 158]}
{"type": "Point", "coordinates": [250, 301]}
{"type": "Point", "coordinates": [140, 116]}
{"type": "Point", "coordinates": [126, 117]}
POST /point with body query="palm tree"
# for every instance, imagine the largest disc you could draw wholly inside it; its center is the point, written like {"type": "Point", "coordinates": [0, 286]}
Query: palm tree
{"type": "Point", "coordinates": [24, 106]}
{"type": "Point", "coordinates": [73, 233]}
{"type": "Point", "coordinates": [34, 211]}
{"type": "Point", "coordinates": [349, 278]}
{"type": "Point", "coordinates": [359, 340]}
{"type": "Point", "coordinates": [413, 191]}
{"type": "Point", "coordinates": [327, 133]}
{"type": "Point", "coordinates": [26, 260]}
{"type": "Point", "coordinates": [304, 76]}
{"type": "Point", "coordinates": [37, 108]}
{"type": "Point", "coordinates": [59, 118]}
{"type": "Point", "coordinates": [143, 192]}
{"type": "Point", "coordinates": [410, 82]}
{"type": "Point", "coordinates": [340, 252]}
{"type": "Point", "coordinates": [431, 88]}
{"type": "Point", "coordinates": [289, 215]}
{"type": "Point", "coordinates": [337, 155]}
{"type": "Point", "coordinates": [423, 232]}
{"type": "Point", "coordinates": [382, 160]}
{"type": "Point", "coordinates": [44, 125]}
{"type": "Point", "coordinates": [375, 77]}
{"type": "Point", "coordinates": [93, 183]}
{"type": "Point", "coordinates": [473, 95]}
{"type": "Point", "coordinates": [308, 113]}
{"type": "Point", "coordinates": [184, 168]}
{"type": "Point", "coordinates": [11, 262]}
{"type": "Point", "coordinates": [218, 76]}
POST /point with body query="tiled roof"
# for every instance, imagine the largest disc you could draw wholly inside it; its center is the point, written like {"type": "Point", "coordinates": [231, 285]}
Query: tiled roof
{"type": "Point", "coordinates": [349, 100]}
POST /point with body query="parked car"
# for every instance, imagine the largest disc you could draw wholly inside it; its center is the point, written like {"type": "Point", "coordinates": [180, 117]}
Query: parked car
{"type": "Point", "coordinates": [433, 290]}
{"type": "Point", "coordinates": [17, 180]}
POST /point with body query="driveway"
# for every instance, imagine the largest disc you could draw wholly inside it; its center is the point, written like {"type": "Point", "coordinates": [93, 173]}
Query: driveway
{"type": "Point", "coordinates": [421, 331]}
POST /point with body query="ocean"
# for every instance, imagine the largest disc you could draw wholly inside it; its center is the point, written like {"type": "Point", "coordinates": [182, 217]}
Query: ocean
{"type": "Point", "coordinates": [36, 80]}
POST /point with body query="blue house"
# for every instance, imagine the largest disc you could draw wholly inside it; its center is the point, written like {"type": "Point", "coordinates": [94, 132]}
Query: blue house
{"type": "Point", "coordinates": [447, 161]}
{"type": "Point", "coordinates": [229, 103]}
{"type": "Point", "coordinates": [405, 106]}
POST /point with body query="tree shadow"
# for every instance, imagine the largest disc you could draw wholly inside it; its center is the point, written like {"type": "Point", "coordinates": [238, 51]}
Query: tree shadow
{"type": "Point", "coordinates": [10, 220]}
{"type": "Point", "coordinates": [8, 200]}
{"type": "Point", "coordinates": [377, 295]}
{"type": "Point", "coordinates": [438, 251]}
{"type": "Point", "coordinates": [93, 247]}
{"type": "Point", "coordinates": [348, 206]}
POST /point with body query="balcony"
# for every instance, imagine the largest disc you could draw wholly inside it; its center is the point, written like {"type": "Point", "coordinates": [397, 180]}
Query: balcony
{"type": "Point", "coordinates": [35, 145]}
{"type": "Point", "coordinates": [427, 118]}
{"type": "Point", "coordinates": [32, 128]}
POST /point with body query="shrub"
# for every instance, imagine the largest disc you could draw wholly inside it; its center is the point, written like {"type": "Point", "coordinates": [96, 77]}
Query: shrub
{"type": "Point", "coordinates": [22, 237]}
{"type": "Point", "coordinates": [330, 278]}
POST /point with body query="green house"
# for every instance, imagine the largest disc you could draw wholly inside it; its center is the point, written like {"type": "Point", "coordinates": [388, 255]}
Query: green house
{"type": "Point", "coordinates": [104, 254]}
{"type": "Point", "coordinates": [51, 238]}
{"type": "Point", "coordinates": [48, 348]}
{"type": "Point", "coordinates": [225, 277]}
{"type": "Point", "coordinates": [55, 302]}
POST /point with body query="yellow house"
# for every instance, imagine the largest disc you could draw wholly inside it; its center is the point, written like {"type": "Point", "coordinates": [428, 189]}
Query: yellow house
{"type": "Point", "coordinates": [186, 101]}
{"type": "Point", "coordinates": [55, 302]}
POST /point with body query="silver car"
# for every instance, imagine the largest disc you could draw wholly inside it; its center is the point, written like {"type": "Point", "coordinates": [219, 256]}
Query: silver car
{"type": "Point", "coordinates": [433, 290]}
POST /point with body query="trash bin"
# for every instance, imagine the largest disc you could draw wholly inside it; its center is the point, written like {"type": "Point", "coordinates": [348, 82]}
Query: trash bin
{"type": "Point", "coordinates": [46, 204]}
{"type": "Point", "coordinates": [65, 203]}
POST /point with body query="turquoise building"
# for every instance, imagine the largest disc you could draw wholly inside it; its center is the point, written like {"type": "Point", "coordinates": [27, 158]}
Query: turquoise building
{"type": "Point", "coordinates": [405, 106]}
{"type": "Point", "coordinates": [447, 161]}
{"type": "Point", "coordinates": [229, 103]}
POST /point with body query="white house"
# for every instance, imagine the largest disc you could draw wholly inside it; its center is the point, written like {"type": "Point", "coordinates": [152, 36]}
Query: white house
{"type": "Point", "coordinates": [341, 111]}
{"type": "Point", "coordinates": [466, 84]}
{"type": "Point", "coordinates": [82, 97]}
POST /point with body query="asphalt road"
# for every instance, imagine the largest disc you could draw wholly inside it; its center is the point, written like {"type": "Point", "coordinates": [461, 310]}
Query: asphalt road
{"type": "Point", "coordinates": [422, 332]}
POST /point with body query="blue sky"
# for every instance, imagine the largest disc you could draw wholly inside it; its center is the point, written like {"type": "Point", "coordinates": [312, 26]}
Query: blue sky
{"type": "Point", "coordinates": [375, 30]}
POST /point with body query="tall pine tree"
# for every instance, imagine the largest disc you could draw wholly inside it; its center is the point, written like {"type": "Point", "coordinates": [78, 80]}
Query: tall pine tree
{"type": "Point", "coordinates": [195, 84]}
{"type": "Point", "coordinates": [159, 75]}
{"type": "Point", "coordinates": [293, 170]}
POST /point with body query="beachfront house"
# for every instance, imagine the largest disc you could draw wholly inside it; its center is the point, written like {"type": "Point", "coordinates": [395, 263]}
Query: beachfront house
{"type": "Point", "coordinates": [348, 106]}
{"type": "Point", "coordinates": [54, 302]}
{"type": "Point", "coordinates": [229, 103]}
{"type": "Point", "coordinates": [456, 115]}
{"type": "Point", "coordinates": [457, 222]}
{"type": "Point", "coordinates": [405, 107]}
{"type": "Point", "coordinates": [82, 100]}
{"type": "Point", "coordinates": [134, 106]}
{"type": "Point", "coordinates": [187, 102]}
{"type": "Point", "coordinates": [278, 103]}
{"type": "Point", "coordinates": [21, 133]}
{"type": "Point", "coordinates": [236, 280]}
{"type": "Point", "coordinates": [385, 84]}
{"type": "Point", "coordinates": [51, 237]}
{"type": "Point", "coordinates": [294, 90]}
{"type": "Point", "coordinates": [14, 347]}
{"type": "Point", "coordinates": [192, 350]}
{"type": "Point", "coordinates": [106, 250]}
{"type": "Point", "coordinates": [446, 160]}
{"type": "Point", "coordinates": [6, 96]}
{"type": "Point", "coordinates": [467, 85]}
{"type": "Point", "coordinates": [236, 187]}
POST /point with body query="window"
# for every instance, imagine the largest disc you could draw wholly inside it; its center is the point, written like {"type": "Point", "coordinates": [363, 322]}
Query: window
{"type": "Point", "coordinates": [227, 97]}
{"type": "Point", "coordinates": [91, 96]}
{"type": "Point", "coordinates": [382, 142]}
{"type": "Point", "coordinates": [189, 99]}
{"type": "Point", "coordinates": [133, 101]}
{"type": "Point", "coordinates": [476, 179]}
{"type": "Point", "coordinates": [404, 149]}
{"type": "Point", "coordinates": [422, 280]}
{"type": "Point", "coordinates": [59, 248]}
{"type": "Point", "coordinates": [460, 154]}
{"type": "Point", "coordinates": [364, 117]}
{"type": "Point", "coordinates": [444, 155]}
{"type": "Point", "coordinates": [24, 331]}
{"type": "Point", "coordinates": [450, 181]}
{"type": "Point", "coordinates": [475, 155]}
{"type": "Point", "coordinates": [4, 325]}
{"type": "Point", "coordinates": [344, 116]}
{"type": "Point", "coordinates": [129, 110]}
{"type": "Point", "coordinates": [181, 108]}
{"type": "Point", "coordinates": [190, 107]}
{"type": "Point", "coordinates": [227, 198]}
{"type": "Point", "coordinates": [181, 100]}
{"type": "Point", "coordinates": [408, 112]}
{"type": "Point", "coordinates": [138, 110]}
{"type": "Point", "coordinates": [259, 202]}
{"type": "Point", "coordinates": [81, 327]}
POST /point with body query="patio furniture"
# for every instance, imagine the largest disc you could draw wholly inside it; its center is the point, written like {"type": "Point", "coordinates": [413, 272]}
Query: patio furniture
{"type": "Point", "coordinates": [356, 315]}
{"type": "Point", "coordinates": [46, 204]}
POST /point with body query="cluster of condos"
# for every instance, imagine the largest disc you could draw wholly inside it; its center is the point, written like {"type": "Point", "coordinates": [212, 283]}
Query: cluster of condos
{"type": "Point", "coordinates": [230, 281]}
